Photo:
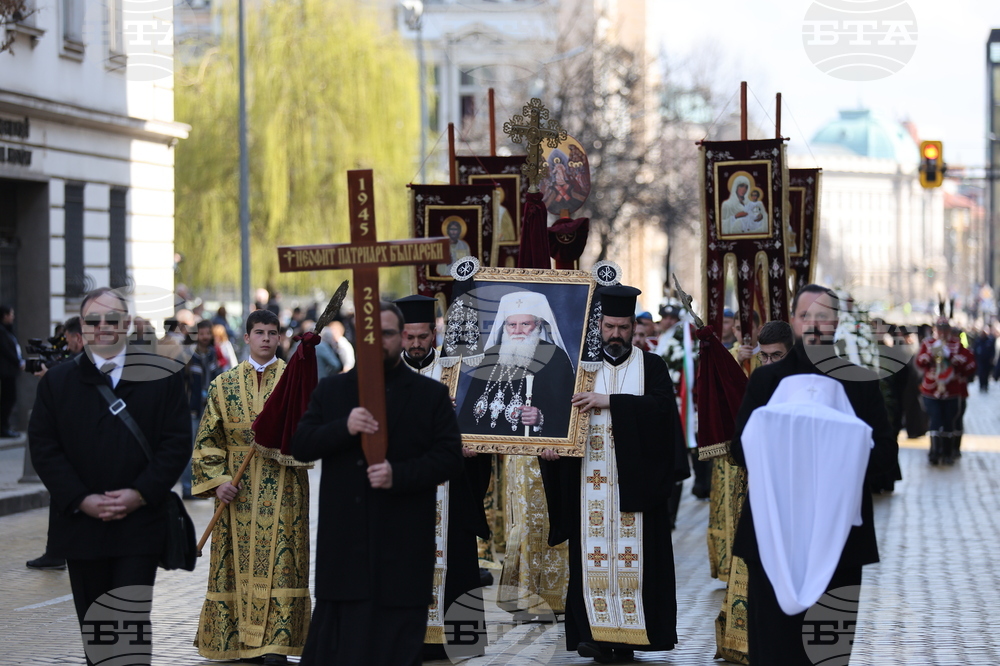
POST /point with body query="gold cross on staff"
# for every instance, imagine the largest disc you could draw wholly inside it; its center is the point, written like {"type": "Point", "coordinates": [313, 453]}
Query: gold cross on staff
{"type": "Point", "coordinates": [528, 127]}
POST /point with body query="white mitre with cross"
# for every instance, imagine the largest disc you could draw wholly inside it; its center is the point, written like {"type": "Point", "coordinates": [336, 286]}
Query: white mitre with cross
{"type": "Point", "coordinates": [806, 454]}
{"type": "Point", "coordinates": [526, 303]}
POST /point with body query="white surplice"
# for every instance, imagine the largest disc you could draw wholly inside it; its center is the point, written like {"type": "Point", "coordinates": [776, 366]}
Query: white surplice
{"type": "Point", "coordinates": [806, 454]}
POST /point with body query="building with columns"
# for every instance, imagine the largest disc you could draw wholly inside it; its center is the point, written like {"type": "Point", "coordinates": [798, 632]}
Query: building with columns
{"type": "Point", "coordinates": [87, 140]}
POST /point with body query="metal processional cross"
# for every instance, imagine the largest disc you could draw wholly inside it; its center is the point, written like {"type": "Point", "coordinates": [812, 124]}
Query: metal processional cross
{"type": "Point", "coordinates": [533, 126]}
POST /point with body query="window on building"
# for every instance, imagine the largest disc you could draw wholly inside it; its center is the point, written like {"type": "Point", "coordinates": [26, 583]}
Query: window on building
{"type": "Point", "coordinates": [72, 25]}
{"type": "Point", "coordinates": [76, 282]}
{"type": "Point", "coordinates": [119, 271]}
{"type": "Point", "coordinates": [468, 103]}
{"type": "Point", "coordinates": [115, 29]}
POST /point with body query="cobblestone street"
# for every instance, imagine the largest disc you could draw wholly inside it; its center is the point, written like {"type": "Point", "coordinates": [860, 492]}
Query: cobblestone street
{"type": "Point", "coordinates": [928, 602]}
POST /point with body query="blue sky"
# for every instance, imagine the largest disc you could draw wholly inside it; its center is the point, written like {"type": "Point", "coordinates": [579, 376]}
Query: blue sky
{"type": "Point", "coordinates": [942, 88]}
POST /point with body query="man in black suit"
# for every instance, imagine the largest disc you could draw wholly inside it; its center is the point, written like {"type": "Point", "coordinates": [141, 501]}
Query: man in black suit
{"type": "Point", "coordinates": [375, 541]}
{"type": "Point", "coordinates": [108, 518]}
{"type": "Point", "coordinates": [11, 365]}
{"type": "Point", "coordinates": [773, 636]}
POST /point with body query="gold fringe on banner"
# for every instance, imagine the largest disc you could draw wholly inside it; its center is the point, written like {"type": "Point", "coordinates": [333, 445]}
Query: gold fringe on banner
{"type": "Point", "coordinates": [713, 450]}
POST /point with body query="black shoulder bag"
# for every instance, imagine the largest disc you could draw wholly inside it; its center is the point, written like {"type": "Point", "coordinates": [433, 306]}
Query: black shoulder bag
{"type": "Point", "coordinates": [179, 552]}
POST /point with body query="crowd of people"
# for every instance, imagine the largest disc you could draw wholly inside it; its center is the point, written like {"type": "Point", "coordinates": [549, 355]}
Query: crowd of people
{"type": "Point", "coordinates": [380, 602]}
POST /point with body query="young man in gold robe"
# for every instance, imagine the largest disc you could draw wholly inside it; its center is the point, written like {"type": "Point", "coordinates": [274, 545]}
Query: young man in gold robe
{"type": "Point", "coordinates": [258, 604]}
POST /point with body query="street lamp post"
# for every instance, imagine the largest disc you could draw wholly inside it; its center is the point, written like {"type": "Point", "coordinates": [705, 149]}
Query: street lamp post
{"type": "Point", "coordinates": [992, 151]}
{"type": "Point", "coordinates": [414, 20]}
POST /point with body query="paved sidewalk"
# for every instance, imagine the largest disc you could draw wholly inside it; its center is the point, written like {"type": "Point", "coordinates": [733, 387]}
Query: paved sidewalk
{"type": "Point", "coordinates": [14, 495]}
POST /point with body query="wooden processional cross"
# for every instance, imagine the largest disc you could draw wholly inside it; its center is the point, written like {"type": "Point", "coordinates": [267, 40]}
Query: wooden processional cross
{"type": "Point", "coordinates": [364, 255]}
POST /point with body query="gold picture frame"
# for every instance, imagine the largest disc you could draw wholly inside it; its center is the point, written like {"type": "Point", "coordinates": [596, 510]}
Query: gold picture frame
{"type": "Point", "coordinates": [506, 208]}
{"type": "Point", "coordinates": [474, 373]}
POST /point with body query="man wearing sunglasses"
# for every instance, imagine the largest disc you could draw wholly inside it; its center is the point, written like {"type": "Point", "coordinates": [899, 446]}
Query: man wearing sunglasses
{"type": "Point", "coordinates": [107, 513]}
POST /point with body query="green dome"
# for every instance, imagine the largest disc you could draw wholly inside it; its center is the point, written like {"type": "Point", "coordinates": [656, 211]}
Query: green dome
{"type": "Point", "coordinates": [865, 134]}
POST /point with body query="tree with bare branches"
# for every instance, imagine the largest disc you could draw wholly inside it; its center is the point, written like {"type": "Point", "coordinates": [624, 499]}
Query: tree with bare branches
{"type": "Point", "coordinates": [639, 124]}
{"type": "Point", "coordinates": [11, 12]}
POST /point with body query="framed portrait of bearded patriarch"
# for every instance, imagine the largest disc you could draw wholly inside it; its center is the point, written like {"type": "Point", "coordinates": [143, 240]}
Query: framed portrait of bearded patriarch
{"type": "Point", "coordinates": [527, 340]}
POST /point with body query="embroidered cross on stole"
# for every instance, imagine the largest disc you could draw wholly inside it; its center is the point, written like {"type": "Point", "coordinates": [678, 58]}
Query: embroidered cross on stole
{"type": "Point", "coordinates": [611, 539]}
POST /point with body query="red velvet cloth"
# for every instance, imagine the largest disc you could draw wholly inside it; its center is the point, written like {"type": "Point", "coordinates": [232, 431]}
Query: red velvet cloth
{"type": "Point", "coordinates": [276, 423]}
{"type": "Point", "coordinates": [534, 250]}
{"type": "Point", "coordinates": [719, 388]}
{"type": "Point", "coordinates": [567, 240]}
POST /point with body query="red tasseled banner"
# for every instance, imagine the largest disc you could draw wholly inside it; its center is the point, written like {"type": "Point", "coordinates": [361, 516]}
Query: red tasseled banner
{"type": "Point", "coordinates": [276, 423]}
{"type": "Point", "coordinates": [719, 388]}
{"type": "Point", "coordinates": [534, 251]}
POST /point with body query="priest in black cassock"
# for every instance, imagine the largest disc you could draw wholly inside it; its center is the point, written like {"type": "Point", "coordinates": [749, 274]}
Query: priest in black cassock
{"type": "Point", "coordinates": [523, 382]}
{"type": "Point", "coordinates": [622, 593]}
{"type": "Point", "coordinates": [375, 542]}
{"type": "Point", "coordinates": [775, 637]}
{"type": "Point", "coordinates": [460, 515]}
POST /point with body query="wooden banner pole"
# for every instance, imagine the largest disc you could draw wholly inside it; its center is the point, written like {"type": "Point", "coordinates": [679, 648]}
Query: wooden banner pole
{"type": "Point", "coordinates": [743, 111]}
{"type": "Point", "coordinates": [493, 126]}
{"type": "Point", "coordinates": [452, 171]}
{"type": "Point", "coordinates": [222, 505]}
{"type": "Point", "coordinates": [777, 117]}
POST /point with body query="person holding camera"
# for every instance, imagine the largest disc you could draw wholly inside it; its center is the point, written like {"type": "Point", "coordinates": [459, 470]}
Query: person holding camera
{"type": "Point", "coordinates": [108, 500]}
{"type": "Point", "coordinates": [72, 336]}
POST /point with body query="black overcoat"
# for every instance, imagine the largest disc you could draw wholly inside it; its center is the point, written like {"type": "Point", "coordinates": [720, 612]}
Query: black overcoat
{"type": "Point", "coordinates": [866, 399]}
{"type": "Point", "coordinates": [78, 448]}
{"type": "Point", "coordinates": [10, 365]}
{"type": "Point", "coordinates": [379, 544]}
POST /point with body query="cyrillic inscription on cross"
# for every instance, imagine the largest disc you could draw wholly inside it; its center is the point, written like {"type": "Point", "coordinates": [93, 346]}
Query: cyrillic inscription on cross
{"type": "Point", "coordinates": [364, 255]}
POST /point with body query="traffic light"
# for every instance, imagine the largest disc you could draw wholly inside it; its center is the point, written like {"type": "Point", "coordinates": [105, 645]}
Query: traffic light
{"type": "Point", "coordinates": [932, 165]}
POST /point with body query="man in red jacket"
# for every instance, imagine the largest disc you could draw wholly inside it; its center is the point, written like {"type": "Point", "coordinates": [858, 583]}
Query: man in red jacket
{"type": "Point", "coordinates": [947, 368]}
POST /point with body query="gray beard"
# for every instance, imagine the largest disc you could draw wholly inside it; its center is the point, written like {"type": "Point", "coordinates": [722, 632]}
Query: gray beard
{"type": "Point", "coordinates": [519, 353]}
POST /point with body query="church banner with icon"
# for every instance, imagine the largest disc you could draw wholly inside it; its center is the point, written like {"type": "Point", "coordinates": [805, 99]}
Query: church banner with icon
{"type": "Point", "coordinates": [802, 234]}
{"type": "Point", "coordinates": [566, 186]}
{"type": "Point", "coordinates": [528, 340]}
{"type": "Point", "coordinates": [461, 213]}
{"type": "Point", "coordinates": [504, 173]}
{"type": "Point", "coordinates": [745, 213]}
